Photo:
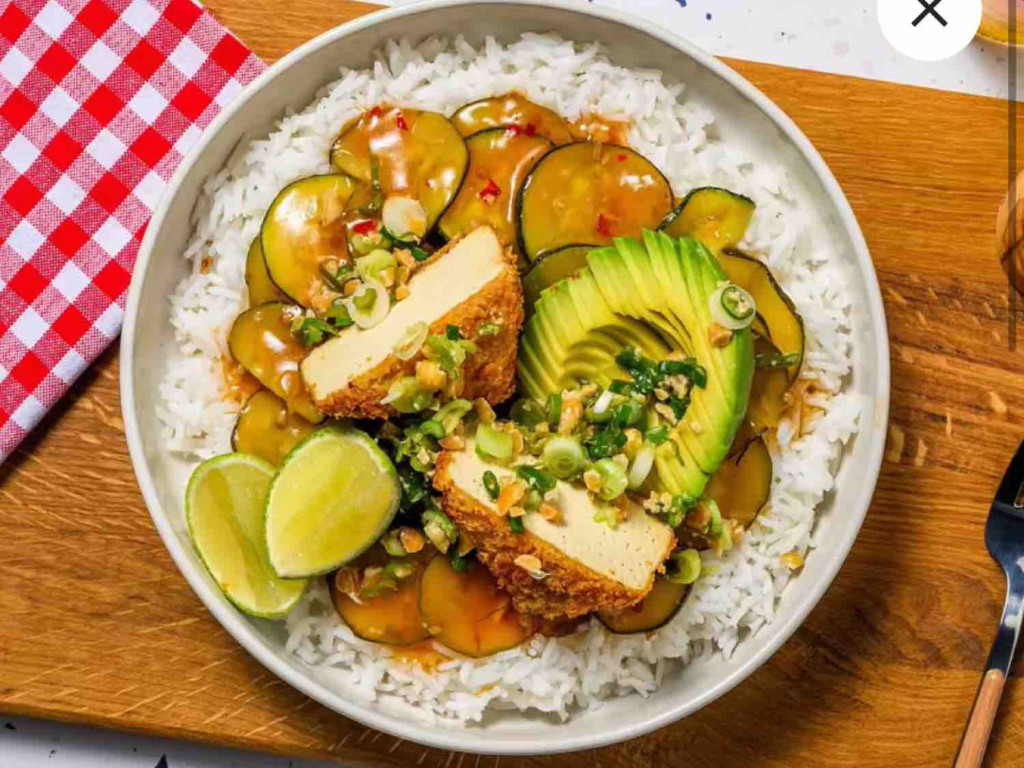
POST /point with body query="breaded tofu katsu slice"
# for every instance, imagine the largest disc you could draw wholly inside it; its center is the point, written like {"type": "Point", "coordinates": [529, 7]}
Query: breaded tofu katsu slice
{"type": "Point", "coordinates": [471, 282]}
{"type": "Point", "coordinates": [584, 565]}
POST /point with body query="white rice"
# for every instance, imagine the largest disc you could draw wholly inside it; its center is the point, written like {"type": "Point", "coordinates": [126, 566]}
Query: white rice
{"type": "Point", "coordinates": [557, 675]}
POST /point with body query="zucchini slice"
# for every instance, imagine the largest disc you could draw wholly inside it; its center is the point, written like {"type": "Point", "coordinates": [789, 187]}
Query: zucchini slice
{"type": "Point", "coordinates": [257, 279]}
{"type": "Point", "coordinates": [743, 483]}
{"type": "Point", "coordinates": [415, 153]}
{"type": "Point", "coordinates": [785, 327]}
{"type": "Point", "coordinates": [262, 342]}
{"type": "Point", "coordinates": [499, 162]}
{"type": "Point", "coordinates": [553, 267]}
{"type": "Point", "coordinates": [303, 232]}
{"type": "Point", "coordinates": [717, 217]}
{"type": "Point", "coordinates": [589, 193]}
{"type": "Point", "coordinates": [654, 611]}
{"type": "Point", "coordinates": [468, 612]}
{"type": "Point", "coordinates": [512, 109]}
{"type": "Point", "coordinates": [391, 615]}
{"type": "Point", "coordinates": [768, 390]}
{"type": "Point", "coordinates": [267, 429]}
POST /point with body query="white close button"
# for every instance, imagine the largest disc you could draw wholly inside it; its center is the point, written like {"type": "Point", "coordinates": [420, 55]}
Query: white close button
{"type": "Point", "coordinates": [929, 30]}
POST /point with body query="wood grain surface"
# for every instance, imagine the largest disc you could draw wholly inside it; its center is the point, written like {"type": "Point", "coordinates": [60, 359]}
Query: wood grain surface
{"type": "Point", "coordinates": [99, 627]}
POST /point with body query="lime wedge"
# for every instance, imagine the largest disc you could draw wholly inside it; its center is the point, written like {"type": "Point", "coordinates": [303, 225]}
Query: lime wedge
{"type": "Point", "coordinates": [334, 496]}
{"type": "Point", "coordinates": [224, 507]}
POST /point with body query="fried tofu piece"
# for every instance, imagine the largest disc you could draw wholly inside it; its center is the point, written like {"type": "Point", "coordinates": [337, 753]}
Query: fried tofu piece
{"type": "Point", "coordinates": [584, 565]}
{"type": "Point", "coordinates": [471, 282]}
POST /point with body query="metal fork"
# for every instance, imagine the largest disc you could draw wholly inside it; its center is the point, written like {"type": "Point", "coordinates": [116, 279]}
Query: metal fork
{"type": "Point", "coordinates": [1004, 537]}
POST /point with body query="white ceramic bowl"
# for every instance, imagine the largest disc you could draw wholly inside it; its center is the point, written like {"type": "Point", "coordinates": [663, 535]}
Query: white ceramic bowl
{"type": "Point", "coordinates": [746, 118]}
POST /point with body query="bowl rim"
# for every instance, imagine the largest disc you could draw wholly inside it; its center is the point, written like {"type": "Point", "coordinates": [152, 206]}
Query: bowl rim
{"type": "Point", "coordinates": [482, 741]}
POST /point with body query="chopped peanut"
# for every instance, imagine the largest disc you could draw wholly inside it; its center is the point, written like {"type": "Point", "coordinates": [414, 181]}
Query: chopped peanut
{"type": "Point", "coordinates": [589, 390]}
{"type": "Point", "coordinates": [452, 443]}
{"type": "Point", "coordinates": [621, 459]}
{"type": "Point", "coordinates": [572, 412]}
{"type": "Point", "coordinates": [528, 562]}
{"type": "Point", "coordinates": [429, 376]}
{"type": "Point", "coordinates": [592, 479]}
{"type": "Point", "coordinates": [550, 513]}
{"type": "Point", "coordinates": [387, 277]}
{"type": "Point", "coordinates": [402, 292]}
{"type": "Point", "coordinates": [483, 410]}
{"type": "Point", "coordinates": [718, 336]}
{"type": "Point", "coordinates": [402, 275]}
{"type": "Point", "coordinates": [542, 428]}
{"type": "Point", "coordinates": [511, 495]}
{"type": "Point", "coordinates": [695, 427]}
{"type": "Point", "coordinates": [411, 539]}
{"type": "Point", "coordinates": [518, 443]}
{"type": "Point", "coordinates": [405, 258]}
{"type": "Point", "coordinates": [351, 287]}
{"type": "Point", "coordinates": [666, 413]}
{"type": "Point", "coordinates": [698, 518]}
{"type": "Point", "coordinates": [516, 511]}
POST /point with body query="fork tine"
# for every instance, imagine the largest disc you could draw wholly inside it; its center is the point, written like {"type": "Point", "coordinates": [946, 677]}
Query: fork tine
{"type": "Point", "coordinates": [1010, 486]}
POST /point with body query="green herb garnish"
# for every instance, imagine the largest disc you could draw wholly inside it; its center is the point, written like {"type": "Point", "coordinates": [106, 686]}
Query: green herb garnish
{"type": "Point", "coordinates": [516, 524]}
{"type": "Point", "coordinates": [312, 331]}
{"type": "Point", "coordinates": [537, 478]}
{"type": "Point", "coordinates": [776, 360]}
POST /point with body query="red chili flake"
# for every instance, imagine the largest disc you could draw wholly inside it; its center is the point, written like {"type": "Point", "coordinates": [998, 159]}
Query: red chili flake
{"type": "Point", "coordinates": [515, 130]}
{"type": "Point", "coordinates": [430, 184]}
{"type": "Point", "coordinates": [376, 112]}
{"type": "Point", "coordinates": [490, 192]}
{"type": "Point", "coordinates": [400, 122]}
{"type": "Point", "coordinates": [603, 225]}
{"type": "Point", "coordinates": [364, 227]}
{"type": "Point", "coordinates": [622, 158]}
{"type": "Point", "coordinates": [530, 129]}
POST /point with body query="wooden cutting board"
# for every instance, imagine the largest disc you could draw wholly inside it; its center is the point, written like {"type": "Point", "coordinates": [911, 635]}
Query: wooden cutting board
{"type": "Point", "coordinates": [99, 627]}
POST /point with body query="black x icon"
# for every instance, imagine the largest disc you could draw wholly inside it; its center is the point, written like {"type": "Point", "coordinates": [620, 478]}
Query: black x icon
{"type": "Point", "coordinates": [929, 10]}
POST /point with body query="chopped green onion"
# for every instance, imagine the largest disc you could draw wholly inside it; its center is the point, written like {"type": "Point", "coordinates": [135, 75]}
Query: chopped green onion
{"type": "Point", "coordinates": [371, 266]}
{"type": "Point", "coordinates": [459, 563]}
{"type": "Point", "coordinates": [607, 515]}
{"type": "Point", "coordinates": [411, 341]}
{"type": "Point", "coordinates": [493, 444]}
{"type": "Point", "coordinates": [606, 443]}
{"type": "Point", "coordinates": [439, 529]}
{"type": "Point", "coordinates": [629, 413]}
{"type": "Point", "coordinates": [488, 329]}
{"type": "Point", "coordinates": [453, 333]}
{"type": "Point", "coordinates": [399, 569]}
{"type": "Point", "coordinates": [776, 360]}
{"type": "Point", "coordinates": [732, 307]}
{"type": "Point", "coordinates": [554, 409]}
{"type": "Point", "coordinates": [366, 300]}
{"type": "Point", "coordinates": [601, 404]}
{"type": "Point", "coordinates": [715, 525]}
{"type": "Point", "coordinates": [613, 479]}
{"type": "Point", "coordinates": [432, 428]}
{"type": "Point", "coordinates": [516, 524]}
{"type": "Point", "coordinates": [657, 435]}
{"type": "Point", "coordinates": [418, 253]}
{"type": "Point", "coordinates": [404, 217]}
{"type": "Point", "coordinates": [689, 368]}
{"type": "Point", "coordinates": [537, 478]}
{"type": "Point", "coordinates": [527, 412]}
{"type": "Point", "coordinates": [337, 314]}
{"type": "Point", "coordinates": [685, 567]}
{"type": "Point", "coordinates": [392, 545]}
{"type": "Point", "coordinates": [564, 457]}
{"type": "Point", "coordinates": [641, 466]}
{"type": "Point", "coordinates": [491, 484]}
{"type": "Point", "coordinates": [451, 413]}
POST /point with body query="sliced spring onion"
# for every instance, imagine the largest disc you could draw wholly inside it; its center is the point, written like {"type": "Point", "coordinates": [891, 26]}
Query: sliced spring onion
{"type": "Point", "coordinates": [715, 525]}
{"type": "Point", "coordinates": [629, 413]}
{"type": "Point", "coordinates": [564, 457]}
{"type": "Point", "coordinates": [369, 305]}
{"type": "Point", "coordinates": [641, 467]}
{"type": "Point", "coordinates": [603, 402]}
{"type": "Point", "coordinates": [732, 307]}
{"type": "Point", "coordinates": [686, 567]}
{"type": "Point", "coordinates": [516, 524]}
{"type": "Point", "coordinates": [405, 218]}
{"type": "Point", "coordinates": [491, 484]}
{"type": "Point", "coordinates": [657, 435]}
{"type": "Point", "coordinates": [493, 444]}
{"type": "Point", "coordinates": [392, 545]}
{"type": "Point", "coordinates": [613, 479]}
{"type": "Point", "coordinates": [537, 479]}
{"type": "Point", "coordinates": [371, 266]}
{"type": "Point", "coordinates": [411, 341]}
{"type": "Point", "coordinates": [451, 413]}
{"type": "Point", "coordinates": [406, 396]}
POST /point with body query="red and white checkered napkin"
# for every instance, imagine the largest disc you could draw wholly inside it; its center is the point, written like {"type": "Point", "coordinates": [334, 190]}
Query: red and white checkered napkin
{"type": "Point", "coordinates": [99, 101]}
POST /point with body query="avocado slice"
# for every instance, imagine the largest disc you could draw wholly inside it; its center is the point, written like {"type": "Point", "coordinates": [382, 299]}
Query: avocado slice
{"type": "Point", "coordinates": [653, 295]}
